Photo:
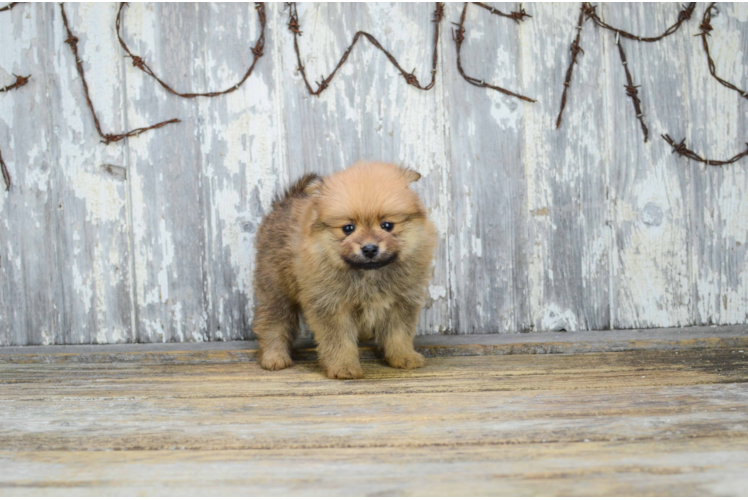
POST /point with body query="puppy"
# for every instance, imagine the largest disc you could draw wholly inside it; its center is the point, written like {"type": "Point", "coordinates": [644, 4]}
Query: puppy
{"type": "Point", "coordinates": [352, 252]}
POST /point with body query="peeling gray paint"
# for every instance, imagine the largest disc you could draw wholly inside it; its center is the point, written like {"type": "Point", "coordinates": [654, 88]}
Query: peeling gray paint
{"type": "Point", "coordinates": [586, 227]}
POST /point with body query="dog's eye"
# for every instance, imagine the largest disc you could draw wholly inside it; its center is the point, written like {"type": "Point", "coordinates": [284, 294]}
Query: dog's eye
{"type": "Point", "coordinates": [387, 226]}
{"type": "Point", "coordinates": [349, 228]}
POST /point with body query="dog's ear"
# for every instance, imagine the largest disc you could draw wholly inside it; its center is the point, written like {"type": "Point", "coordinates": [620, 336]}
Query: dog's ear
{"type": "Point", "coordinates": [410, 175]}
{"type": "Point", "coordinates": [314, 186]}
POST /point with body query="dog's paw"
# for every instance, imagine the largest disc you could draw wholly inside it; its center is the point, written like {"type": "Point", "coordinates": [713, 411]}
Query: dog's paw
{"type": "Point", "coordinates": [345, 372]}
{"type": "Point", "coordinates": [275, 360]}
{"type": "Point", "coordinates": [407, 361]}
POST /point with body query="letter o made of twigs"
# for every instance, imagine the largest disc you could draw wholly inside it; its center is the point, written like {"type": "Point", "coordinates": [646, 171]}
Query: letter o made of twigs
{"type": "Point", "coordinates": [683, 15]}
{"type": "Point", "coordinates": [140, 63]}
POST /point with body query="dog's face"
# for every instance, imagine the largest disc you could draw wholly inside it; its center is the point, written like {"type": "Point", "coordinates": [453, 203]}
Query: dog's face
{"type": "Point", "coordinates": [366, 217]}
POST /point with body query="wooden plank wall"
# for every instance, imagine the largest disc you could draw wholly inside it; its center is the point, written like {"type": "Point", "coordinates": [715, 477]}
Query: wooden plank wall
{"type": "Point", "coordinates": [587, 227]}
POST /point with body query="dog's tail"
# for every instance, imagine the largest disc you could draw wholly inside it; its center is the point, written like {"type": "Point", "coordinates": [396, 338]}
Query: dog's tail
{"type": "Point", "coordinates": [297, 189]}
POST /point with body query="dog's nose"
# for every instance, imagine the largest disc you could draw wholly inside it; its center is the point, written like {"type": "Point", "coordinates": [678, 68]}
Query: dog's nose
{"type": "Point", "coordinates": [369, 251]}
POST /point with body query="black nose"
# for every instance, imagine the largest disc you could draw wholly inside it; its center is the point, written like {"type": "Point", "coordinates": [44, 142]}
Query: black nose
{"type": "Point", "coordinates": [369, 251]}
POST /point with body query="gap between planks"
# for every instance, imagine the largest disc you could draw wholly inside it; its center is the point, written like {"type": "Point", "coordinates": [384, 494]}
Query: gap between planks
{"type": "Point", "coordinates": [682, 339]}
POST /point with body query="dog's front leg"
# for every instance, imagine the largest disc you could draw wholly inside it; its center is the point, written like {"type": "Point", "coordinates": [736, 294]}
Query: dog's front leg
{"type": "Point", "coordinates": [395, 338]}
{"type": "Point", "coordinates": [337, 344]}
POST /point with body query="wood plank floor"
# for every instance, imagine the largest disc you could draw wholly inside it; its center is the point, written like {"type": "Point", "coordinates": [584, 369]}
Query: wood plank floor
{"type": "Point", "coordinates": [615, 423]}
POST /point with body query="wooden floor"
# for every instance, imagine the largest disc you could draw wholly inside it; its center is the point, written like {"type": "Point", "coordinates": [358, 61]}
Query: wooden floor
{"type": "Point", "coordinates": [647, 422]}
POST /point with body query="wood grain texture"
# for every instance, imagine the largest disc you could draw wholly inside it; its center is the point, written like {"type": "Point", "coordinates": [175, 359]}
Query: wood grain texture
{"type": "Point", "coordinates": [606, 469]}
{"type": "Point", "coordinates": [66, 264]}
{"type": "Point", "coordinates": [649, 200]}
{"type": "Point", "coordinates": [488, 184]}
{"type": "Point", "coordinates": [588, 424]}
{"type": "Point", "coordinates": [567, 175]}
{"type": "Point", "coordinates": [151, 239]}
{"type": "Point", "coordinates": [720, 230]}
{"type": "Point", "coordinates": [240, 161]}
{"type": "Point", "coordinates": [430, 346]}
{"type": "Point", "coordinates": [30, 287]}
{"type": "Point", "coordinates": [166, 175]}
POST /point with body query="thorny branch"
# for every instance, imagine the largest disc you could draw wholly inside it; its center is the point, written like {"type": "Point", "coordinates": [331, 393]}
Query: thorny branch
{"type": "Point", "coordinates": [410, 78]}
{"type": "Point", "coordinates": [9, 6]}
{"type": "Point", "coordinates": [139, 63]}
{"type": "Point", "coordinates": [680, 147]}
{"type": "Point", "coordinates": [706, 28]}
{"type": "Point", "coordinates": [20, 82]}
{"type": "Point", "coordinates": [632, 90]}
{"type": "Point", "coordinates": [683, 16]}
{"type": "Point", "coordinates": [6, 174]}
{"type": "Point", "coordinates": [575, 50]}
{"type": "Point", "coordinates": [459, 37]}
{"type": "Point", "coordinates": [518, 16]}
{"type": "Point", "coordinates": [72, 40]}
{"type": "Point", "coordinates": [589, 11]}
{"type": "Point", "coordinates": [682, 150]}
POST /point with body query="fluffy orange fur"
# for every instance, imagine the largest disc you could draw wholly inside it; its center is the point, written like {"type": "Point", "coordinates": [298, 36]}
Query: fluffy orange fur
{"type": "Point", "coordinates": [352, 252]}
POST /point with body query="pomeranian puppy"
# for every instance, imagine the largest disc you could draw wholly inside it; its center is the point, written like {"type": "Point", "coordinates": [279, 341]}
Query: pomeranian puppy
{"type": "Point", "coordinates": [352, 252]}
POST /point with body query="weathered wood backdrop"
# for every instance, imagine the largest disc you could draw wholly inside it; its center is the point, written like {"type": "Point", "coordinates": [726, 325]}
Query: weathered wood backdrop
{"type": "Point", "coordinates": [587, 227]}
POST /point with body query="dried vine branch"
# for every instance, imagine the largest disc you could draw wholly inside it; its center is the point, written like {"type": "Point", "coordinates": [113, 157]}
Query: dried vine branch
{"type": "Point", "coordinates": [459, 37]}
{"type": "Point", "coordinates": [9, 6]}
{"type": "Point", "coordinates": [683, 16]}
{"type": "Point", "coordinates": [6, 174]}
{"type": "Point", "coordinates": [682, 150]}
{"type": "Point", "coordinates": [706, 28]}
{"type": "Point", "coordinates": [72, 40]}
{"type": "Point", "coordinates": [589, 11]}
{"type": "Point", "coordinates": [518, 16]}
{"type": "Point", "coordinates": [632, 90]}
{"type": "Point", "coordinates": [575, 50]}
{"type": "Point", "coordinates": [410, 78]}
{"type": "Point", "coordinates": [20, 82]}
{"type": "Point", "coordinates": [138, 62]}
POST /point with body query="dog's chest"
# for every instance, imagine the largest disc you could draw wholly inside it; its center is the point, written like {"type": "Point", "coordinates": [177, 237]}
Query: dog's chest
{"type": "Point", "coordinates": [372, 314]}
{"type": "Point", "coordinates": [370, 302]}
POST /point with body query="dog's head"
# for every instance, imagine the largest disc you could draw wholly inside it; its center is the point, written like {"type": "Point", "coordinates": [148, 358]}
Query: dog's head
{"type": "Point", "coordinates": [367, 217]}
